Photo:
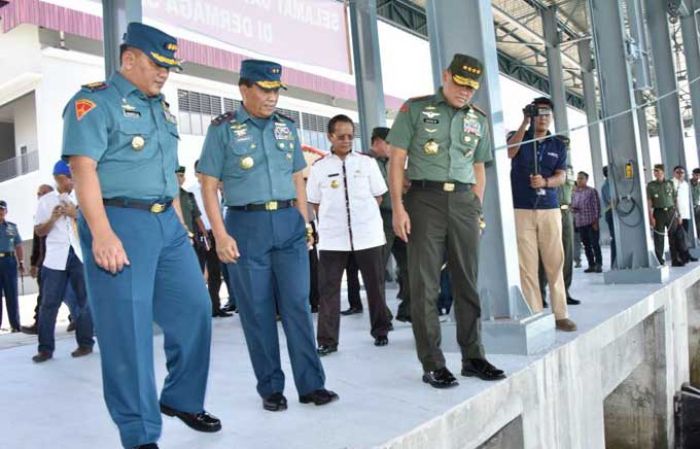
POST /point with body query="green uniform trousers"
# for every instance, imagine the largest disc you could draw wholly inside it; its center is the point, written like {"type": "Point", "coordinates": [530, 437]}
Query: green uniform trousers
{"type": "Point", "coordinates": [444, 222]}
{"type": "Point", "coordinates": [664, 219]}
{"type": "Point", "coordinates": [567, 237]}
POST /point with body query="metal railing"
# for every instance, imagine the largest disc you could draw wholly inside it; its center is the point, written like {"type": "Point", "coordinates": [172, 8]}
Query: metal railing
{"type": "Point", "coordinates": [20, 165]}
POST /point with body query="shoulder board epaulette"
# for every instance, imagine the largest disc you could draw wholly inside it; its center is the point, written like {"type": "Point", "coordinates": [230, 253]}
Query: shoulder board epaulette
{"type": "Point", "coordinates": [319, 159]}
{"type": "Point", "coordinates": [225, 117]}
{"type": "Point", "coordinates": [94, 87]}
{"type": "Point", "coordinates": [564, 139]}
{"type": "Point", "coordinates": [479, 110]}
{"type": "Point", "coordinates": [285, 116]}
{"type": "Point", "coordinates": [422, 97]}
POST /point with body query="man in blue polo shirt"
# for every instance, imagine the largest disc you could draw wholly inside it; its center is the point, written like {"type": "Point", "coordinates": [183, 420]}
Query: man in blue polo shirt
{"type": "Point", "coordinates": [537, 169]}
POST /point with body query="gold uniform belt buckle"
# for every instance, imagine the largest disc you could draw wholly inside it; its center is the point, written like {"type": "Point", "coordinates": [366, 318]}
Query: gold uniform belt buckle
{"type": "Point", "coordinates": [271, 205]}
{"type": "Point", "coordinates": [157, 208]}
{"type": "Point", "coordinates": [448, 187]}
{"type": "Point", "coordinates": [564, 207]}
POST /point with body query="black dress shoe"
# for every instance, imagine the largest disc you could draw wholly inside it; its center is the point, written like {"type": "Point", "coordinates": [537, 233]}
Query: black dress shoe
{"type": "Point", "coordinates": [276, 402]}
{"type": "Point", "coordinates": [202, 421]}
{"type": "Point", "coordinates": [692, 259]}
{"type": "Point", "coordinates": [319, 397]}
{"type": "Point", "coordinates": [30, 330]}
{"type": "Point", "coordinates": [327, 349]}
{"type": "Point", "coordinates": [147, 446]}
{"type": "Point", "coordinates": [221, 314]}
{"type": "Point", "coordinates": [351, 311]}
{"type": "Point", "coordinates": [403, 318]}
{"type": "Point", "coordinates": [572, 302]}
{"type": "Point", "coordinates": [599, 269]}
{"type": "Point", "coordinates": [678, 264]}
{"type": "Point", "coordinates": [381, 341]}
{"type": "Point", "coordinates": [440, 378]}
{"type": "Point", "coordinates": [71, 326]}
{"type": "Point", "coordinates": [589, 270]}
{"type": "Point", "coordinates": [482, 369]}
{"type": "Point", "coordinates": [229, 308]}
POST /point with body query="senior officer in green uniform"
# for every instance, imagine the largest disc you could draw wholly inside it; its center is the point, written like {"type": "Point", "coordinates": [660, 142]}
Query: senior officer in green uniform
{"type": "Point", "coordinates": [661, 196]}
{"type": "Point", "coordinates": [447, 141]}
{"type": "Point", "coordinates": [121, 140]}
{"type": "Point", "coordinates": [564, 192]}
{"type": "Point", "coordinates": [11, 254]}
{"type": "Point", "coordinates": [256, 152]}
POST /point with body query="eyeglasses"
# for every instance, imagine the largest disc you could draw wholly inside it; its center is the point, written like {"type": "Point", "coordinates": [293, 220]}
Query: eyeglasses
{"type": "Point", "coordinates": [344, 136]}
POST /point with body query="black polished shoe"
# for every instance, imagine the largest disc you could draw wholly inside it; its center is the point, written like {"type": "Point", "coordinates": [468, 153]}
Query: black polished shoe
{"type": "Point", "coordinates": [71, 326]}
{"type": "Point", "coordinates": [440, 378]}
{"type": "Point", "coordinates": [381, 341]}
{"type": "Point", "coordinates": [327, 349]}
{"type": "Point", "coordinates": [678, 264]}
{"type": "Point", "coordinates": [692, 259]}
{"type": "Point", "coordinates": [15, 330]}
{"type": "Point", "coordinates": [403, 318]}
{"type": "Point", "coordinates": [228, 307]}
{"type": "Point", "coordinates": [147, 446]}
{"type": "Point", "coordinates": [221, 314]}
{"type": "Point", "coordinates": [572, 302]}
{"type": "Point", "coordinates": [30, 330]}
{"type": "Point", "coordinates": [276, 402]}
{"type": "Point", "coordinates": [589, 270]}
{"type": "Point", "coordinates": [482, 369]}
{"type": "Point", "coordinates": [202, 421]}
{"type": "Point", "coordinates": [350, 311]}
{"type": "Point", "coordinates": [319, 397]}
{"type": "Point", "coordinates": [81, 351]}
{"type": "Point", "coordinates": [598, 269]}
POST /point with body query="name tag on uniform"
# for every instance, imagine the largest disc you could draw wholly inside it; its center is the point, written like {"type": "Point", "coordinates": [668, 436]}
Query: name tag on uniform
{"type": "Point", "coordinates": [552, 154]}
{"type": "Point", "coordinates": [333, 174]}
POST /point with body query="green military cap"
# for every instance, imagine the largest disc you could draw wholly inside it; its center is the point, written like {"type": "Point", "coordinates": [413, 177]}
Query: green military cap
{"type": "Point", "coordinates": [380, 132]}
{"type": "Point", "coordinates": [180, 169]}
{"type": "Point", "coordinates": [466, 70]}
{"type": "Point", "coordinates": [157, 45]}
{"type": "Point", "coordinates": [659, 167]}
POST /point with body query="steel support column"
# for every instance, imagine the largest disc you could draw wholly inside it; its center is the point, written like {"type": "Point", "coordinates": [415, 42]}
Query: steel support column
{"type": "Point", "coordinates": [691, 50]}
{"type": "Point", "coordinates": [636, 262]}
{"type": "Point", "coordinates": [644, 138]}
{"type": "Point", "coordinates": [368, 68]}
{"type": "Point", "coordinates": [592, 116]}
{"type": "Point", "coordinates": [557, 89]}
{"type": "Point", "coordinates": [668, 109]}
{"type": "Point", "coordinates": [466, 26]}
{"type": "Point", "coordinates": [116, 15]}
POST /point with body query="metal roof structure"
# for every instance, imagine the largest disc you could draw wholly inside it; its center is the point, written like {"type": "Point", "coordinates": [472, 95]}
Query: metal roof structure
{"type": "Point", "coordinates": [521, 43]}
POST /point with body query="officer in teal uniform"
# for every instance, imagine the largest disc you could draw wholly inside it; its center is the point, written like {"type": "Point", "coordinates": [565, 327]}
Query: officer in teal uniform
{"type": "Point", "coordinates": [10, 258]}
{"type": "Point", "coordinates": [256, 152]}
{"type": "Point", "coordinates": [121, 141]}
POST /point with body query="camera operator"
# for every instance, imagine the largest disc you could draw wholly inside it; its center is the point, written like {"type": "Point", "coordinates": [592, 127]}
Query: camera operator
{"type": "Point", "coordinates": [537, 170]}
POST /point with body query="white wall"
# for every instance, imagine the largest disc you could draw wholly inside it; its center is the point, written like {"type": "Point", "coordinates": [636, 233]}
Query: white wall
{"type": "Point", "coordinates": [25, 124]}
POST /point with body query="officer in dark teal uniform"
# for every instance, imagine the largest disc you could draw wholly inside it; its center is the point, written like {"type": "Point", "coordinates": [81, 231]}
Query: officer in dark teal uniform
{"type": "Point", "coordinates": [121, 140]}
{"type": "Point", "coordinates": [10, 258]}
{"type": "Point", "coordinates": [256, 152]}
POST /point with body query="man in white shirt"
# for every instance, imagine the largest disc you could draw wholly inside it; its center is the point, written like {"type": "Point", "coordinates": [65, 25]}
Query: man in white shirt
{"type": "Point", "coordinates": [56, 219]}
{"type": "Point", "coordinates": [683, 201]}
{"type": "Point", "coordinates": [346, 189]}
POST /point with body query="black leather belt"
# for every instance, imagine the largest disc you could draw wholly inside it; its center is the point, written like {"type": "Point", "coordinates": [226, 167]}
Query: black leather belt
{"type": "Point", "coordinates": [444, 186]}
{"type": "Point", "coordinates": [155, 207]}
{"type": "Point", "coordinates": [268, 206]}
{"type": "Point", "coordinates": [10, 254]}
{"type": "Point", "coordinates": [663, 208]}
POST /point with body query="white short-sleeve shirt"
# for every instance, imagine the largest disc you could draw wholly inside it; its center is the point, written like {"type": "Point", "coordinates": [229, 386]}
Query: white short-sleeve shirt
{"type": "Point", "coordinates": [345, 191]}
{"type": "Point", "coordinates": [64, 233]}
{"type": "Point", "coordinates": [683, 198]}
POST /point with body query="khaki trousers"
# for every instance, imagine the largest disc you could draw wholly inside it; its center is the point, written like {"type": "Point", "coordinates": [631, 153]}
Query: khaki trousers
{"type": "Point", "coordinates": [539, 233]}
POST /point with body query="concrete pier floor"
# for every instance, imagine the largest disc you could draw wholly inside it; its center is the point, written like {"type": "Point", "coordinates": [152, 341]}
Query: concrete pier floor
{"type": "Point", "coordinates": [59, 404]}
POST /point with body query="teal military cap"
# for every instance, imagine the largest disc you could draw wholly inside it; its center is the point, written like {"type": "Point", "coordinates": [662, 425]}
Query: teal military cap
{"type": "Point", "coordinates": [157, 45]}
{"type": "Point", "coordinates": [266, 74]}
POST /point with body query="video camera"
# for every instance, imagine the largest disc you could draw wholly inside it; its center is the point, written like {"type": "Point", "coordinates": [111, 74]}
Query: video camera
{"type": "Point", "coordinates": [534, 110]}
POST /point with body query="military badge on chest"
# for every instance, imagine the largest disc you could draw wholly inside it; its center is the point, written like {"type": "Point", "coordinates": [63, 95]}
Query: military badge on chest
{"type": "Point", "coordinates": [472, 128]}
{"type": "Point", "coordinates": [240, 130]}
{"type": "Point", "coordinates": [130, 111]}
{"type": "Point", "coordinates": [247, 163]}
{"type": "Point", "coordinates": [137, 143]}
{"type": "Point", "coordinates": [431, 147]}
{"type": "Point", "coordinates": [282, 131]}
